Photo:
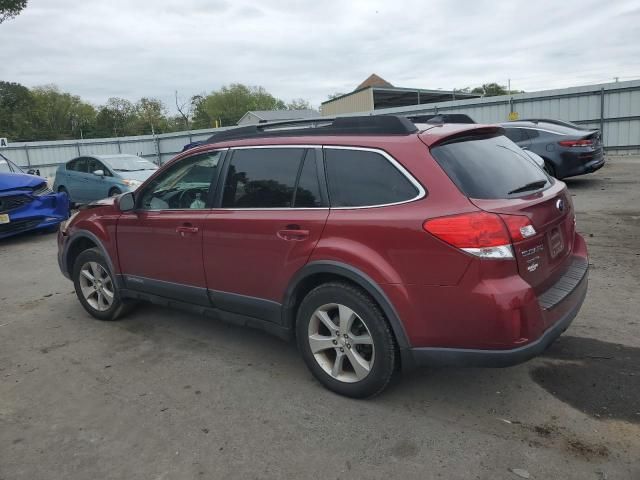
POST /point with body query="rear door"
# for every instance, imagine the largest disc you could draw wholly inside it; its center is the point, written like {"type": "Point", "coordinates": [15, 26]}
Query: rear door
{"type": "Point", "coordinates": [273, 209]}
{"type": "Point", "coordinates": [76, 179]}
{"type": "Point", "coordinates": [498, 177]}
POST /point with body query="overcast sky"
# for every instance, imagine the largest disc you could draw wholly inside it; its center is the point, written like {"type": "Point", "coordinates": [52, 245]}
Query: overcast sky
{"type": "Point", "coordinates": [310, 49]}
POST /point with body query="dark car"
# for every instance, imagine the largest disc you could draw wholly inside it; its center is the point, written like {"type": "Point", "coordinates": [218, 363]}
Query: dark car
{"type": "Point", "coordinates": [27, 203]}
{"type": "Point", "coordinates": [567, 149]}
{"type": "Point", "coordinates": [376, 243]}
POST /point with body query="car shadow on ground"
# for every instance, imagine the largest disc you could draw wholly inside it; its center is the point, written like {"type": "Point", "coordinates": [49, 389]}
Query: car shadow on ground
{"type": "Point", "coordinates": [584, 183]}
{"type": "Point", "coordinates": [598, 378]}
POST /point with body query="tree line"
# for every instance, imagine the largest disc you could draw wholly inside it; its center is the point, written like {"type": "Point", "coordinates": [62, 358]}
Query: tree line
{"type": "Point", "coordinates": [48, 113]}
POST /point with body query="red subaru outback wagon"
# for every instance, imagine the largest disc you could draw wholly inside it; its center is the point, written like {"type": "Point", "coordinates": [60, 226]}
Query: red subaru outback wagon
{"type": "Point", "coordinates": [376, 243]}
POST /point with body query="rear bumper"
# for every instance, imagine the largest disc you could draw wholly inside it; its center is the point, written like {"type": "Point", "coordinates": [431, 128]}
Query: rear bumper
{"type": "Point", "coordinates": [580, 167]}
{"type": "Point", "coordinates": [461, 357]}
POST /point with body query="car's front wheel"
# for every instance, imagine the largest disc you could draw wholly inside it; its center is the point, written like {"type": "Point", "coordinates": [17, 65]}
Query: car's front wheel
{"type": "Point", "coordinates": [95, 286]}
{"type": "Point", "coordinates": [114, 192]}
{"type": "Point", "coordinates": [345, 340]}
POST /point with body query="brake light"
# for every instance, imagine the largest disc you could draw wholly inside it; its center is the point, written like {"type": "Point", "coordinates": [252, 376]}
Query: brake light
{"type": "Point", "coordinates": [576, 143]}
{"type": "Point", "coordinates": [482, 234]}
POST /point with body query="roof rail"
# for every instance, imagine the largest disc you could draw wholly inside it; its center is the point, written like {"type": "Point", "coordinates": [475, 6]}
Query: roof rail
{"type": "Point", "coordinates": [360, 125]}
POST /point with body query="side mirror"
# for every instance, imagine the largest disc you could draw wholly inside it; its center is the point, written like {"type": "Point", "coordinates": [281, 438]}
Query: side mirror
{"type": "Point", "coordinates": [99, 173]}
{"type": "Point", "coordinates": [32, 171]}
{"type": "Point", "coordinates": [126, 202]}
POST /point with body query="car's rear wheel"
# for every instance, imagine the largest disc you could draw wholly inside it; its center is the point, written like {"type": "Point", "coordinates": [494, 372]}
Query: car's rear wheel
{"type": "Point", "coordinates": [345, 340]}
{"type": "Point", "coordinates": [114, 191]}
{"type": "Point", "coordinates": [96, 288]}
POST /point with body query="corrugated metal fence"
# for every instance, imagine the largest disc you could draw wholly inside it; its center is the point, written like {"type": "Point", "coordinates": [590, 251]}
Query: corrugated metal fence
{"type": "Point", "coordinates": [46, 156]}
{"type": "Point", "coordinates": [613, 108]}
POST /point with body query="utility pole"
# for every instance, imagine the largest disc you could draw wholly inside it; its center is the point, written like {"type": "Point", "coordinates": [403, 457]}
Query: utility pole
{"type": "Point", "coordinates": [508, 86]}
{"type": "Point", "coordinates": [616, 79]}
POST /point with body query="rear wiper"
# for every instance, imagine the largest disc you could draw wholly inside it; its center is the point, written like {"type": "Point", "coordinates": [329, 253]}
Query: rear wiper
{"type": "Point", "coordinates": [529, 186]}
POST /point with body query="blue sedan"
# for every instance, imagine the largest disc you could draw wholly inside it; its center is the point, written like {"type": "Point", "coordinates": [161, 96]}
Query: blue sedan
{"type": "Point", "coordinates": [90, 178]}
{"type": "Point", "coordinates": [27, 203]}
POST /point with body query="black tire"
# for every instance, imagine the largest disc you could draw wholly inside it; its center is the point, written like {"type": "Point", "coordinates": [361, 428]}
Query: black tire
{"type": "Point", "coordinates": [114, 191]}
{"type": "Point", "coordinates": [384, 362]}
{"type": "Point", "coordinates": [549, 168]}
{"type": "Point", "coordinates": [118, 307]}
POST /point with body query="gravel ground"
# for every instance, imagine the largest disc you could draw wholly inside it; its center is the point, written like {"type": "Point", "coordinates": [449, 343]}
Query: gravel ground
{"type": "Point", "coordinates": [167, 395]}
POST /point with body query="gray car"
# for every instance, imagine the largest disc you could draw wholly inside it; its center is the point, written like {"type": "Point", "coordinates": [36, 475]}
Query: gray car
{"type": "Point", "coordinates": [90, 178]}
{"type": "Point", "coordinates": [566, 148]}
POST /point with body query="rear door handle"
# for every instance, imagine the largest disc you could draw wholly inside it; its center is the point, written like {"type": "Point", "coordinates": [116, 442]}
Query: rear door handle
{"type": "Point", "coordinates": [294, 234]}
{"type": "Point", "coordinates": [182, 230]}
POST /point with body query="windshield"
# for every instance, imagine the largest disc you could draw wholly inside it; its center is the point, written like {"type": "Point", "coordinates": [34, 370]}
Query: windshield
{"type": "Point", "coordinates": [6, 167]}
{"type": "Point", "coordinates": [490, 167]}
{"type": "Point", "coordinates": [129, 163]}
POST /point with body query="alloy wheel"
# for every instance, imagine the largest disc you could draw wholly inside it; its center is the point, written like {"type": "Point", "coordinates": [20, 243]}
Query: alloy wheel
{"type": "Point", "coordinates": [341, 343]}
{"type": "Point", "coordinates": [96, 286]}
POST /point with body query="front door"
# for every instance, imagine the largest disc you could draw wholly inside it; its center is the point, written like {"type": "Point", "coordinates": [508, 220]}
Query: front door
{"type": "Point", "coordinates": [160, 242]}
{"type": "Point", "coordinates": [273, 211]}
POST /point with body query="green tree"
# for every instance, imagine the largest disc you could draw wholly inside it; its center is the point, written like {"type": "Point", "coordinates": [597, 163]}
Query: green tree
{"type": "Point", "coordinates": [230, 103]}
{"type": "Point", "coordinates": [117, 118]}
{"type": "Point", "coordinates": [492, 90]}
{"type": "Point", "coordinates": [152, 116]}
{"type": "Point", "coordinates": [59, 115]}
{"type": "Point", "coordinates": [11, 8]}
{"type": "Point", "coordinates": [16, 109]}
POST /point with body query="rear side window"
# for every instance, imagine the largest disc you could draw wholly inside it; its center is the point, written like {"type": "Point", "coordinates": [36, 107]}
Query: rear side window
{"type": "Point", "coordinates": [516, 134]}
{"type": "Point", "coordinates": [78, 165]}
{"type": "Point", "coordinates": [262, 178]}
{"type": "Point", "coordinates": [489, 167]}
{"type": "Point", "coordinates": [359, 178]}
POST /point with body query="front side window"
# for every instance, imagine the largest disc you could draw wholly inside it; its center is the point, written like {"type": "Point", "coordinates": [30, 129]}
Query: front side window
{"type": "Point", "coordinates": [359, 178]}
{"type": "Point", "coordinates": [184, 185]}
{"type": "Point", "coordinates": [95, 165]}
{"type": "Point", "coordinates": [264, 178]}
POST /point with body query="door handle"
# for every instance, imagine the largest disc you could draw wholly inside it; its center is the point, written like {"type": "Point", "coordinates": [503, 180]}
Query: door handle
{"type": "Point", "coordinates": [185, 229]}
{"type": "Point", "coordinates": [295, 234]}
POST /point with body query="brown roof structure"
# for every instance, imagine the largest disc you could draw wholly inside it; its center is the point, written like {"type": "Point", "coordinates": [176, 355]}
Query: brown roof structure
{"type": "Point", "coordinates": [374, 81]}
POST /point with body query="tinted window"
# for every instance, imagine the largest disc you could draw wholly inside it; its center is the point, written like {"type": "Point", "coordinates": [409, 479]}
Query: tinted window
{"type": "Point", "coordinates": [308, 191]}
{"type": "Point", "coordinates": [359, 178]}
{"type": "Point", "coordinates": [532, 133]}
{"type": "Point", "coordinates": [262, 178]}
{"type": "Point", "coordinates": [516, 134]}
{"type": "Point", "coordinates": [78, 165]}
{"type": "Point", "coordinates": [184, 185]}
{"type": "Point", "coordinates": [489, 167]}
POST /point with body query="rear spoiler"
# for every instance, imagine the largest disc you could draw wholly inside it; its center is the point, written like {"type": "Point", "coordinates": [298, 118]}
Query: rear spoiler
{"type": "Point", "coordinates": [471, 134]}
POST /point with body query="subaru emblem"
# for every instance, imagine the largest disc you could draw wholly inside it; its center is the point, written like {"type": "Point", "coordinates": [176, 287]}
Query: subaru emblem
{"type": "Point", "coordinates": [560, 204]}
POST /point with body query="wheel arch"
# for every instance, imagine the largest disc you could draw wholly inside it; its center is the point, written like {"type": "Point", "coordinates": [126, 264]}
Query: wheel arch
{"type": "Point", "coordinates": [316, 273]}
{"type": "Point", "coordinates": [78, 243]}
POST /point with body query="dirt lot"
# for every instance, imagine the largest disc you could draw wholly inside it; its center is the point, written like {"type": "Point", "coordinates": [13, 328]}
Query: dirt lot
{"type": "Point", "coordinates": [167, 395]}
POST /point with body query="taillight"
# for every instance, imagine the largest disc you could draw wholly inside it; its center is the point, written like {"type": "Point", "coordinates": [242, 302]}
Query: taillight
{"type": "Point", "coordinates": [519, 227]}
{"type": "Point", "coordinates": [576, 143]}
{"type": "Point", "coordinates": [482, 234]}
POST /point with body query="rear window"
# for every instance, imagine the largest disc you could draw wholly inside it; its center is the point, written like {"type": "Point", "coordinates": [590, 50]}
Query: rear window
{"type": "Point", "coordinates": [490, 167]}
